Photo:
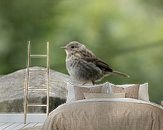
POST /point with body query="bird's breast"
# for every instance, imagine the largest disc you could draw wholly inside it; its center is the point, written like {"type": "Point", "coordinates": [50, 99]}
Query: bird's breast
{"type": "Point", "coordinates": [71, 64]}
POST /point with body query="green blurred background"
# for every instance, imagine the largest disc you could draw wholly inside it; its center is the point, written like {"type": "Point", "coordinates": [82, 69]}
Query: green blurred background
{"type": "Point", "coordinates": [127, 34]}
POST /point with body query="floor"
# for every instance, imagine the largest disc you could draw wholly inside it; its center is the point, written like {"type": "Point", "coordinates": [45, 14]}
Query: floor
{"type": "Point", "coordinates": [15, 121]}
{"type": "Point", "coordinates": [17, 126]}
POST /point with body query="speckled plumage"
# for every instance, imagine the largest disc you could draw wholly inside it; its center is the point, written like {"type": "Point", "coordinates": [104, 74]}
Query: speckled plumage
{"type": "Point", "coordinates": [84, 66]}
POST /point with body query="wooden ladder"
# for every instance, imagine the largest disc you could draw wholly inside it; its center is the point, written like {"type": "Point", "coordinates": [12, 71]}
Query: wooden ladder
{"type": "Point", "coordinates": [28, 89]}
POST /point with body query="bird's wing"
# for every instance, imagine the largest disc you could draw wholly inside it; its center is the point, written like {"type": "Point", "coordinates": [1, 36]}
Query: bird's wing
{"type": "Point", "coordinates": [89, 56]}
{"type": "Point", "coordinates": [87, 53]}
{"type": "Point", "coordinates": [101, 64]}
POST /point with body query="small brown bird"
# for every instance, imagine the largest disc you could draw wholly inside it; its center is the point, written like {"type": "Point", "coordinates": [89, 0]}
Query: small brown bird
{"type": "Point", "coordinates": [84, 66]}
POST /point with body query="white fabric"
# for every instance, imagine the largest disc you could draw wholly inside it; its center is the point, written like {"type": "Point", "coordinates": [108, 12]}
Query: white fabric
{"type": "Point", "coordinates": [162, 103]}
{"type": "Point", "coordinates": [104, 95]}
{"type": "Point", "coordinates": [106, 88]}
{"type": "Point", "coordinates": [129, 100]}
{"type": "Point", "coordinates": [143, 90]}
{"type": "Point", "coordinates": [71, 93]}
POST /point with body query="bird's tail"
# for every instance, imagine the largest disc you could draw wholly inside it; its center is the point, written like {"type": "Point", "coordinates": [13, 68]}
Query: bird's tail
{"type": "Point", "coordinates": [121, 74]}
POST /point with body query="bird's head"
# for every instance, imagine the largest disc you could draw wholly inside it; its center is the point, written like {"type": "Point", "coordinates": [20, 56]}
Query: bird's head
{"type": "Point", "coordinates": [73, 46]}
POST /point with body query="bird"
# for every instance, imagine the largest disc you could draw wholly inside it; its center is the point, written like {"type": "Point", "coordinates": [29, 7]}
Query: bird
{"type": "Point", "coordinates": [84, 66]}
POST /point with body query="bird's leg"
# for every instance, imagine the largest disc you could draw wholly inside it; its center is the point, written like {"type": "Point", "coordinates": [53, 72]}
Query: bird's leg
{"type": "Point", "coordinates": [93, 82]}
{"type": "Point", "coordinates": [84, 83]}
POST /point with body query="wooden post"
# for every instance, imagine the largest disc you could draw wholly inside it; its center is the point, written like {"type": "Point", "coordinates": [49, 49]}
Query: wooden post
{"type": "Point", "coordinates": [48, 79]}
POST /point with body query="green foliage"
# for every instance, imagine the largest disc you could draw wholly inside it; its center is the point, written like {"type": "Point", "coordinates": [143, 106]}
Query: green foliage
{"type": "Point", "coordinates": [126, 34]}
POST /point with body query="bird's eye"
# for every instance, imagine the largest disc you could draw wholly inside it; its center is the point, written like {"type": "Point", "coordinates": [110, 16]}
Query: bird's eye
{"type": "Point", "coordinates": [72, 47]}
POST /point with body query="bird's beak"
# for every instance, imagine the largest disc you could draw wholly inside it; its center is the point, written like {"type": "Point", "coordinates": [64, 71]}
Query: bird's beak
{"type": "Point", "coordinates": [64, 47]}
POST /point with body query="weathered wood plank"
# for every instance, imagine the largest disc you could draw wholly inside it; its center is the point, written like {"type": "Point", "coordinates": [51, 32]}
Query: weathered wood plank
{"type": "Point", "coordinates": [2, 123]}
{"type": "Point", "coordinates": [18, 126]}
{"type": "Point", "coordinates": [39, 124]}
{"type": "Point", "coordinates": [12, 127]}
{"type": "Point", "coordinates": [19, 118]}
{"type": "Point", "coordinates": [30, 125]}
{"type": "Point", "coordinates": [21, 126]}
{"type": "Point", "coordinates": [6, 125]}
